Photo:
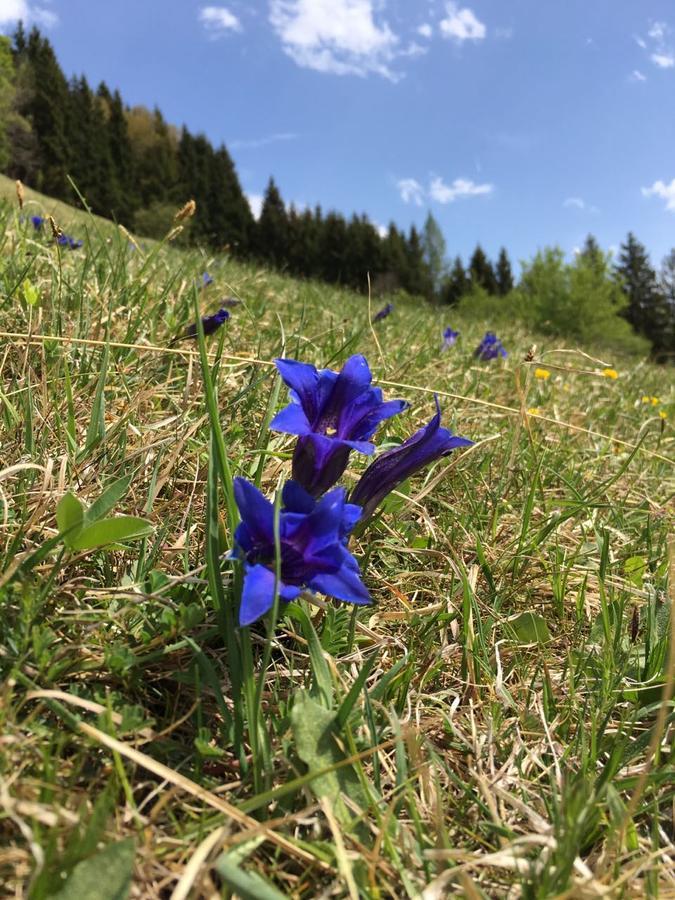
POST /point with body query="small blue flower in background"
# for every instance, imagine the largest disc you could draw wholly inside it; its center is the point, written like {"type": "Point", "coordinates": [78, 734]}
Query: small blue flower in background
{"type": "Point", "coordinates": [384, 312]}
{"type": "Point", "coordinates": [209, 324]}
{"type": "Point", "coordinates": [490, 347]}
{"type": "Point", "coordinates": [314, 555]}
{"type": "Point", "coordinates": [449, 337]}
{"type": "Point", "coordinates": [38, 222]}
{"type": "Point", "coordinates": [206, 279]}
{"type": "Point", "coordinates": [394, 466]}
{"type": "Point", "coordinates": [332, 413]}
{"type": "Point", "coordinates": [65, 240]}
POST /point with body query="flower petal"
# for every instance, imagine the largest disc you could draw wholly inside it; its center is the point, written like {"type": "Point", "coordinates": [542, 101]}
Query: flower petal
{"type": "Point", "coordinates": [291, 420]}
{"type": "Point", "coordinates": [345, 584]}
{"type": "Point", "coordinates": [257, 597]}
{"type": "Point", "coordinates": [256, 512]}
{"type": "Point", "coordinates": [302, 378]}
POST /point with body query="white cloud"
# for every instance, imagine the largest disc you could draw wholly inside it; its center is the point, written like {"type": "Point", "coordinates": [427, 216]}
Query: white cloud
{"type": "Point", "coordinates": [636, 75]}
{"type": "Point", "coordinates": [381, 229]}
{"type": "Point", "coordinates": [218, 20]}
{"type": "Point", "coordinates": [579, 203]}
{"type": "Point", "coordinates": [425, 30]}
{"type": "Point", "coordinates": [337, 36]}
{"type": "Point", "coordinates": [255, 201]}
{"type": "Point", "coordinates": [461, 24]}
{"type": "Point", "coordinates": [460, 187]}
{"type": "Point", "coordinates": [13, 10]}
{"type": "Point", "coordinates": [641, 42]}
{"type": "Point", "coordinates": [411, 191]}
{"type": "Point", "coordinates": [255, 143]}
{"type": "Point", "coordinates": [664, 191]}
{"type": "Point", "coordinates": [658, 31]}
{"type": "Point", "coordinates": [664, 60]}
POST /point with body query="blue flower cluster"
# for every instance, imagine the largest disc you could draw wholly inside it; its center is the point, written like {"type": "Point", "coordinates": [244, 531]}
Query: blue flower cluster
{"type": "Point", "coordinates": [489, 348]}
{"type": "Point", "coordinates": [64, 240]}
{"type": "Point", "coordinates": [331, 413]}
{"type": "Point", "coordinates": [449, 337]}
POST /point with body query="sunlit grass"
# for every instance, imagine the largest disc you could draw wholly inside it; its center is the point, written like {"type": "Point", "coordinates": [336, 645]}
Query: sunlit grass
{"type": "Point", "coordinates": [493, 724]}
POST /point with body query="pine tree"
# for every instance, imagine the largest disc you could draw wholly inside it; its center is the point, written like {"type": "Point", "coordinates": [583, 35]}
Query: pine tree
{"type": "Point", "coordinates": [504, 274]}
{"type": "Point", "coordinates": [7, 94]}
{"type": "Point", "coordinates": [648, 309]}
{"type": "Point", "coordinates": [418, 280]}
{"type": "Point", "coordinates": [456, 284]}
{"type": "Point", "coordinates": [433, 246]}
{"type": "Point", "coordinates": [272, 226]}
{"type": "Point", "coordinates": [481, 271]}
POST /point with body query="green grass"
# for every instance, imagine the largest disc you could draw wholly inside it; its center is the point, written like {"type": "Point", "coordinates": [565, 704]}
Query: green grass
{"type": "Point", "coordinates": [494, 726]}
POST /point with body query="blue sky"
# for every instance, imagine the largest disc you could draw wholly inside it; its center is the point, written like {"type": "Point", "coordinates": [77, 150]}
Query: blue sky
{"type": "Point", "coordinates": [516, 122]}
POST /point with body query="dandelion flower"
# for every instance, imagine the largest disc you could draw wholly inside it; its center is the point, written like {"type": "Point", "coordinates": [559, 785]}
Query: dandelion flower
{"type": "Point", "coordinates": [655, 401]}
{"type": "Point", "coordinates": [610, 373]}
{"type": "Point", "coordinates": [542, 374]}
{"type": "Point", "coordinates": [534, 411]}
{"type": "Point", "coordinates": [663, 414]}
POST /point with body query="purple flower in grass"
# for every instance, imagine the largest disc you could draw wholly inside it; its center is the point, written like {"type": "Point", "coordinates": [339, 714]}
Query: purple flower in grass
{"type": "Point", "coordinates": [490, 347]}
{"type": "Point", "coordinates": [209, 324]}
{"type": "Point", "coordinates": [37, 222]}
{"type": "Point", "coordinates": [312, 538]}
{"type": "Point", "coordinates": [332, 413]}
{"type": "Point", "coordinates": [206, 279]}
{"type": "Point", "coordinates": [65, 240]}
{"type": "Point", "coordinates": [449, 337]}
{"type": "Point", "coordinates": [394, 466]}
{"type": "Point", "coordinates": [383, 313]}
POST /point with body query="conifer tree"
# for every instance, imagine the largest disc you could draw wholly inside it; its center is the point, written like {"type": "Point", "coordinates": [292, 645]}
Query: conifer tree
{"type": "Point", "coordinates": [481, 272]}
{"type": "Point", "coordinates": [504, 274]}
{"type": "Point", "coordinates": [456, 284]}
{"type": "Point", "coordinates": [648, 310]}
{"type": "Point", "coordinates": [272, 226]}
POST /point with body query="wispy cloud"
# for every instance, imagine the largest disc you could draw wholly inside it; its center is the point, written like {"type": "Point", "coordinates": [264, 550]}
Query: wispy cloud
{"type": "Point", "coordinates": [664, 191]}
{"type": "Point", "coordinates": [461, 24]}
{"type": "Point", "coordinates": [256, 143]}
{"type": "Point", "coordinates": [11, 11]}
{"type": "Point", "coordinates": [579, 203]}
{"type": "Point", "coordinates": [342, 37]}
{"type": "Point", "coordinates": [636, 75]}
{"type": "Point", "coordinates": [218, 20]}
{"type": "Point", "coordinates": [658, 46]}
{"type": "Point", "coordinates": [425, 30]}
{"type": "Point", "coordinates": [460, 187]}
{"type": "Point", "coordinates": [411, 191]}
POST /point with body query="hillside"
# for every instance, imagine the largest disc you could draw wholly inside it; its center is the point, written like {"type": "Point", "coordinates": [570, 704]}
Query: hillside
{"type": "Point", "coordinates": [491, 724]}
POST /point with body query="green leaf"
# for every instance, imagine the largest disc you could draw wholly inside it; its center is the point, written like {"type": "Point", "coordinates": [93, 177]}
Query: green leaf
{"type": "Point", "coordinates": [635, 567]}
{"type": "Point", "coordinates": [247, 885]}
{"type": "Point", "coordinates": [314, 730]}
{"type": "Point", "coordinates": [110, 496]}
{"type": "Point", "coordinates": [111, 531]}
{"type": "Point", "coordinates": [104, 876]}
{"type": "Point", "coordinates": [30, 293]}
{"type": "Point", "coordinates": [69, 517]}
{"type": "Point", "coordinates": [530, 628]}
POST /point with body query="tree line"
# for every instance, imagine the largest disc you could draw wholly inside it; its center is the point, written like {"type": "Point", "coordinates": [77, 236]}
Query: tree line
{"type": "Point", "coordinates": [134, 167]}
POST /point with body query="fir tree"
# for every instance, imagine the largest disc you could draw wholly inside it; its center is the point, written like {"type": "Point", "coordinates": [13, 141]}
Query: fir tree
{"type": "Point", "coordinates": [504, 274]}
{"type": "Point", "coordinates": [648, 309]}
{"type": "Point", "coordinates": [456, 284]}
{"type": "Point", "coordinates": [481, 272]}
{"type": "Point", "coordinates": [271, 240]}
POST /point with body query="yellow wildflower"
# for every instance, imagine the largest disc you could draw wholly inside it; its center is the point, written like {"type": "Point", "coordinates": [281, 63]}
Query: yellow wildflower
{"type": "Point", "coordinates": [610, 373]}
{"type": "Point", "coordinates": [534, 411]}
{"type": "Point", "coordinates": [646, 399]}
{"type": "Point", "coordinates": [655, 401]}
{"type": "Point", "coordinates": [663, 414]}
{"type": "Point", "coordinates": [542, 374]}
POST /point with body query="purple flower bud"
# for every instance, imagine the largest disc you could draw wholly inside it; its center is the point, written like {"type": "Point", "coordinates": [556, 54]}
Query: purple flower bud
{"type": "Point", "coordinates": [394, 466]}
{"type": "Point", "coordinates": [383, 313]}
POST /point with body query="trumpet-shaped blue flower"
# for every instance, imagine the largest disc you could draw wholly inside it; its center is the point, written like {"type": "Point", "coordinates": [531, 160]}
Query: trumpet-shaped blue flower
{"type": "Point", "coordinates": [490, 347]}
{"type": "Point", "coordinates": [313, 548]}
{"type": "Point", "coordinates": [37, 222]}
{"type": "Point", "coordinates": [384, 312]}
{"type": "Point", "coordinates": [206, 279]}
{"type": "Point", "coordinates": [65, 240]}
{"type": "Point", "coordinates": [449, 337]}
{"type": "Point", "coordinates": [209, 324]}
{"type": "Point", "coordinates": [332, 413]}
{"type": "Point", "coordinates": [394, 466]}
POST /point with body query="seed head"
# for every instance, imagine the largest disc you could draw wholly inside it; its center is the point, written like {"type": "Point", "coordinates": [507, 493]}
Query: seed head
{"type": "Point", "coordinates": [19, 193]}
{"type": "Point", "coordinates": [186, 212]}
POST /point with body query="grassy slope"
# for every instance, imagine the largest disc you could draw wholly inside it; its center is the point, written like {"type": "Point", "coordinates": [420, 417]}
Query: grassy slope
{"type": "Point", "coordinates": [488, 762]}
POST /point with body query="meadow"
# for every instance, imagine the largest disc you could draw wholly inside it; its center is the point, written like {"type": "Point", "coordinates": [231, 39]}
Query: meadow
{"type": "Point", "coordinates": [497, 724]}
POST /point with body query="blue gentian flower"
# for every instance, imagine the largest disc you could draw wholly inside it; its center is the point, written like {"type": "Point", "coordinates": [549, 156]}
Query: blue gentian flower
{"type": "Point", "coordinates": [65, 240]}
{"type": "Point", "coordinates": [38, 222]}
{"type": "Point", "coordinates": [332, 414]}
{"type": "Point", "coordinates": [394, 466]}
{"type": "Point", "coordinates": [490, 347]}
{"type": "Point", "coordinates": [449, 337]}
{"type": "Point", "coordinates": [206, 279]}
{"type": "Point", "coordinates": [313, 548]}
{"type": "Point", "coordinates": [209, 324]}
{"type": "Point", "coordinates": [384, 312]}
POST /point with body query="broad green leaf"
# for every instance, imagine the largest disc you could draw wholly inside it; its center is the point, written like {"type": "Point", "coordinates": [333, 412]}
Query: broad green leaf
{"type": "Point", "coordinates": [635, 567]}
{"type": "Point", "coordinates": [314, 730]}
{"type": "Point", "coordinates": [30, 293]}
{"type": "Point", "coordinates": [110, 496]}
{"type": "Point", "coordinates": [530, 628]}
{"type": "Point", "coordinates": [69, 517]}
{"type": "Point", "coordinates": [104, 876]}
{"type": "Point", "coordinates": [111, 531]}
